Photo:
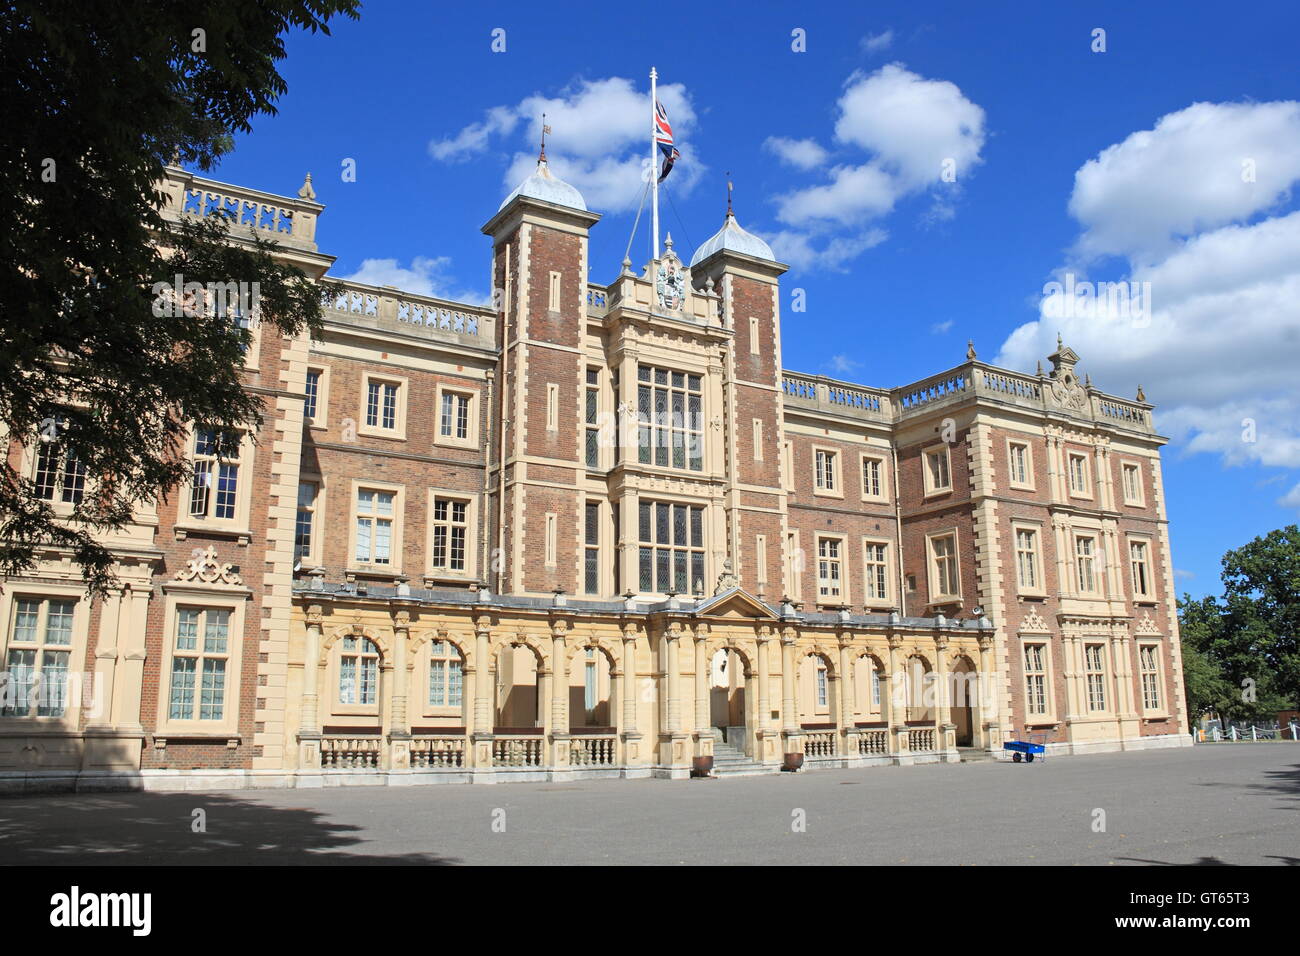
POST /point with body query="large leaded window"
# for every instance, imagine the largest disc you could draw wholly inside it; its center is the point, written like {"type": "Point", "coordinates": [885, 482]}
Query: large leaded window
{"type": "Point", "coordinates": [198, 680]}
{"type": "Point", "coordinates": [671, 547]}
{"type": "Point", "coordinates": [358, 671]}
{"type": "Point", "coordinates": [1094, 659]}
{"type": "Point", "coordinates": [1149, 661]}
{"type": "Point", "coordinates": [670, 418]}
{"type": "Point", "coordinates": [591, 548]}
{"type": "Point", "coordinates": [446, 675]}
{"type": "Point", "coordinates": [60, 474]}
{"type": "Point", "coordinates": [829, 571]}
{"type": "Point", "coordinates": [214, 488]}
{"type": "Point", "coordinates": [37, 659]}
{"type": "Point", "coordinates": [450, 525]}
{"type": "Point", "coordinates": [1036, 679]}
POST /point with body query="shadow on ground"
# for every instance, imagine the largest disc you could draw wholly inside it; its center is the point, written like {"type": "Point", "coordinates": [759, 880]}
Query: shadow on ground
{"type": "Point", "coordinates": [158, 828]}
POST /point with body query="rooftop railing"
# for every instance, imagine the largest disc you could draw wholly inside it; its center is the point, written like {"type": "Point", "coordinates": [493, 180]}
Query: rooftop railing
{"type": "Point", "coordinates": [410, 313]}
{"type": "Point", "coordinates": [973, 380]}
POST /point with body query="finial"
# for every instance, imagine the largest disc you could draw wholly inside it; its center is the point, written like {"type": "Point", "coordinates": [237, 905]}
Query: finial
{"type": "Point", "coordinates": [1059, 343]}
{"type": "Point", "coordinates": [627, 266]}
{"type": "Point", "coordinates": [970, 350]}
{"type": "Point", "coordinates": [730, 187]}
{"type": "Point", "coordinates": [541, 157]}
{"type": "Point", "coordinates": [1141, 395]}
{"type": "Point", "coordinates": [1040, 368]}
{"type": "Point", "coordinates": [668, 243]}
{"type": "Point", "coordinates": [1087, 381]}
{"type": "Point", "coordinates": [306, 192]}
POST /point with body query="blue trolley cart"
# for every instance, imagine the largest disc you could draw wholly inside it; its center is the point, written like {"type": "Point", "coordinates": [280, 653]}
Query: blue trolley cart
{"type": "Point", "coordinates": [1034, 746]}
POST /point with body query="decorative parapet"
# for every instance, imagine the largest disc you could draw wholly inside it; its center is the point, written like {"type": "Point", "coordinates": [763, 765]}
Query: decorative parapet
{"type": "Point", "coordinates": [841, 398]}
{"type": "Point", "coordinates": [290, 221]}
{"type": "Point", "coordinates": [1039, 393]}
{"type": "Point", "coordinates": [384, 307]}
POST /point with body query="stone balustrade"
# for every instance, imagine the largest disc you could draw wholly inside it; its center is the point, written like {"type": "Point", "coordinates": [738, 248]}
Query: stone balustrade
{"type": "Point", "coordinates": [437, 753]}
{"type": "Point", "coordinates": [518, 751]}
{"type": "Point", "coordinates": [921, 740]}
{"type": "Point", "coordinates": [986, 382]}
{"type": "Point", "coordinates": [350, 753]}
{"type": "Point", "coordinates": [594, 750]}
{"type": "Point", "coordinates": [873, 743]}
{"type": "Point", "coordinates": [386, 307]}
{"type": "Point", "coordinates": [819, 744]}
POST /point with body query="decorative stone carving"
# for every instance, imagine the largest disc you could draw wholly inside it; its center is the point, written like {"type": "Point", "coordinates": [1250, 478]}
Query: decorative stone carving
{"type": "Point", "coordinates": [727, 579]}
{"type": "Point", "coordinates": [670, 283]}
{"type": "Point", "coordinates": [1033, 621]}
{"type": "Point", "coordinates": [1146, 626]}
{"type": "Point", "coordinates": [204, 568]}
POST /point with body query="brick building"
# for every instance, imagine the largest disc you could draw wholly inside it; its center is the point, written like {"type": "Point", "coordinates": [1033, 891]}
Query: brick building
{"type": "Point", "coordinates": [599, 529]}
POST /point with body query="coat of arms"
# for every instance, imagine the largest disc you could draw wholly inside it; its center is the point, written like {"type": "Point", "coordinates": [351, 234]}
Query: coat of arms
{"type": "Point", "coordinates": [671, 284]}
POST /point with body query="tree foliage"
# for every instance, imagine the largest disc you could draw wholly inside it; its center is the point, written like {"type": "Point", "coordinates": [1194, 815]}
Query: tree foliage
{"type": "Point", "coordinates": [1244, 659]}
{"type": "Point", "coordinates": [98, 99]}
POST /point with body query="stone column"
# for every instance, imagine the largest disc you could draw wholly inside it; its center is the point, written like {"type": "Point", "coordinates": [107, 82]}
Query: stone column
{"type": "Point", "coordinates": [559, 694]}
{"type": "Point", "coordinates": [989, 692]}
{"type": "Point", "coordinates": [631, 738]}
{"type": "Point", "coordinates": [703, 730]}
{"type": "Point", "coordinates": [672, 677]}
{"type": "Point", "coordinates": [399, 724]}
{"type": "Point", "coordinates": [105, 661]}
{"type": "Point", "coordinates": [765, 734]}
{"type": "Point", "coordinates": [129, 680]}
{"type": "Point", "coordinates": [897, 695]}
{"type": "Point", "coordinates": [847, 691]}
{"type": "Point", "coordinates": [943, 703]}
{"type": "Point", "coordinates": [483, 691]}
{"type": "Point", "coordinates": [789, 693]}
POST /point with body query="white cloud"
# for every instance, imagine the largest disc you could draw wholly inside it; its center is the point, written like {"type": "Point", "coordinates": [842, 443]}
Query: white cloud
{"type": "Point", "coordinates": [599, 140]}
{"type": "Point", "coordinates": [1291, 499]}
{"type": "Point", "coordinates": [424, 276]}
{"type": "Point", "coordinates": [802, 251]}
{"type": "Point", "coordinates": [800, 153]}
{"type": "Point", "coordinates": [912, 124]}
{"type": "Point", "coordinates": [1139, 198]}
{"type": "Point", "coordinates": [912, 130]}
{"type": "Point", "coordinates": [855, 193]}
{"type": "Point", "coordinates": [878, 42]}
{"type": "Point", "coordinates": [939, 328]}
{"type": "Point", "coordinates": [1217, 350]}
{"type": "Point", "coordinates": [843, 365]}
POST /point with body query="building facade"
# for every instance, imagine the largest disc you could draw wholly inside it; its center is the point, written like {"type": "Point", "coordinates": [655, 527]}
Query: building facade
{"type": "Point", "coordinates": [598, 530]}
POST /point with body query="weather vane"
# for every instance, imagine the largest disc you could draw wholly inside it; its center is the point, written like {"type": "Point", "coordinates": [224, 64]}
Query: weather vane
{"type": "Point", "coordinates": [545, 129]}
{"type": "Point", "coordinates": [730, 187]}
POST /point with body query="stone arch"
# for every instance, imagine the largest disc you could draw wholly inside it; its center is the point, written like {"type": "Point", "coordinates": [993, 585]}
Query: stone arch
{"type": "Point", "coordinates": [464, 643]}
{"type": "Point", "coordinates": [870, 704]}
{"type": "Point", "coordinates": [592, 685]}
{"type": "Point", "coordinates": [919, 692]}
{"type": "Point", "coordinates": [816, 686]}
{"type": "Point", "coordinates": [518, 674]}
{"type": "Point", "coordinates": [613, 655]}
{"type": "Point", "coordinates": [963, 697]}
{"type": "Point", "coordinates": [382, 639]}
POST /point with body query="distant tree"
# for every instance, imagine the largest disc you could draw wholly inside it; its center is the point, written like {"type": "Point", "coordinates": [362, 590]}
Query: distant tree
{"type": "Point", "coordinates": [1262, 593]}
{"type": "Point", "coordinates": [97, 99]}
{"type": "Point", "coordinates": [1240, 651]}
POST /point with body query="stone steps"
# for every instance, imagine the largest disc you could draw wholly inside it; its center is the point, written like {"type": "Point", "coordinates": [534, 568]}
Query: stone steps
{"type": "Point", "coordinates": [731, 762]}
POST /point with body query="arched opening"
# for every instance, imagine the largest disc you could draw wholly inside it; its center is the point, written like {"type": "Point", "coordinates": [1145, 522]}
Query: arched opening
{"type": "Point", "coordinates": [590, 691]}
{"type": "Point", "coordinates": [921, 690]}
{"type": "Point", "coordinates": [817, 704]}
{"type": "Point", "coordinates": [518, 688]}
{"type": "Point", "coordinates": [963, 697]}
{"type": "Point", "coordinates": [870, 690]}
{"type": "Point", "coordinates": [727, 686]}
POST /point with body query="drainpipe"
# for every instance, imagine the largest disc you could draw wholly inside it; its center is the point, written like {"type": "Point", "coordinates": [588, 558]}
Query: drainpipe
{"type": "Point", "coordinates": [898, 530]}
{"type": "Point", "coordinates": [503, 419]}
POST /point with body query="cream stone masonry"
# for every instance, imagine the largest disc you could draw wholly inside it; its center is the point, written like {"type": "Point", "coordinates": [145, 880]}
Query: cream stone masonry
{"type": "Point", "coordinates": [499, 629]}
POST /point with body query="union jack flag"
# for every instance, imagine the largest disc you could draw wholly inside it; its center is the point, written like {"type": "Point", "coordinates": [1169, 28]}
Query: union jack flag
{"type": "Point", "coordinates": [664, 137]}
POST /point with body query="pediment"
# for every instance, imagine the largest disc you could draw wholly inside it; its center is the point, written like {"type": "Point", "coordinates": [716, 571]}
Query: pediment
{"type": "Point", "coordinates": [734, 604]}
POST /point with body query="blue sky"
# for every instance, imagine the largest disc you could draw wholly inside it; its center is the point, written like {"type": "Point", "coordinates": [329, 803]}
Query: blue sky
{"type": "Point", "coordinates": [1169, 158]}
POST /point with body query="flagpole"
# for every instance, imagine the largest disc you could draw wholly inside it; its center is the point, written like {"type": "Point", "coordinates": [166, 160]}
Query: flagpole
{"type": "Point", "coordinates": [654, 177]}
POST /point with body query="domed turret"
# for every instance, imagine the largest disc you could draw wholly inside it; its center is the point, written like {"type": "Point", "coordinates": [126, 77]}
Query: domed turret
{"type": "Point", "coordinates": [545, 186]}
{"type": "Point", "coordinates": [733, 239]}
